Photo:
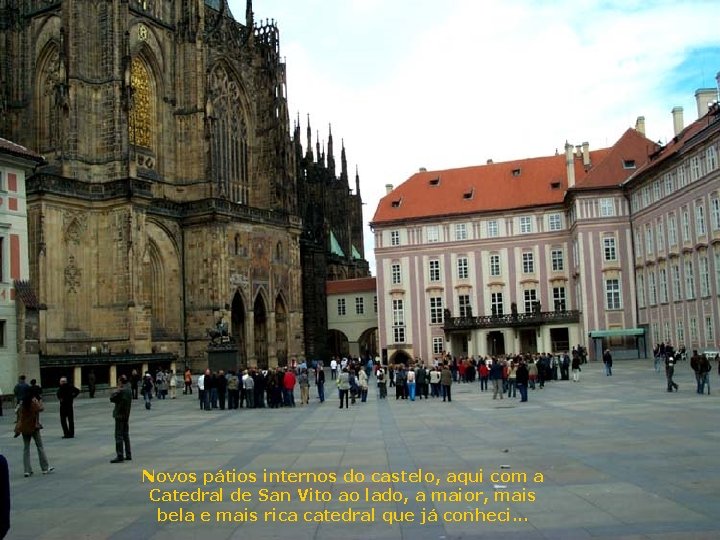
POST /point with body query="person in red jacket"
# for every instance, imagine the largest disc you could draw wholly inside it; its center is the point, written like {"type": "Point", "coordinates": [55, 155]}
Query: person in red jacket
{"type": "Point", "coordinates": [289, 388]}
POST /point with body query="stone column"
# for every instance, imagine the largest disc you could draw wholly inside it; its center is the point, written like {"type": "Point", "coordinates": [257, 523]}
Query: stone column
{"type": "Point", "coordinates": [77, 377]}
{"type": "Point", "coordinates": [113, 376]}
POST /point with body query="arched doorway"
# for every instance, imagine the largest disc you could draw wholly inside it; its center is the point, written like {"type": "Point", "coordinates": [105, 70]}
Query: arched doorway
{"type": "Point", "coordinates": [368, 343]}
{"type": "Point", "coordinates": [400, 357]}
{"type": "Point", "coordinates": [237, 319]}
{"type": "Point", "coordinates": [337, 344]}
{"type": "Point", "coordinates": [261, 353]}
{"type": "Point", "coordinates": [281, 329]}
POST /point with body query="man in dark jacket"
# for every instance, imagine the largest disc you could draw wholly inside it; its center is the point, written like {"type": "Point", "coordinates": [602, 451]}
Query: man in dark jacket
{"type": "Point", "coordinates": [522, 376]}
{"type": "Point", "coordinates": [122, 398]}
{"type": "Point", "coordinates": [66, 394]}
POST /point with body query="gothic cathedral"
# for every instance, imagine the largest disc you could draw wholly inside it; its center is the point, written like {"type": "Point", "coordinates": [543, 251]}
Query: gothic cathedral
{"type": "Point", "coordinates": [171, 199]}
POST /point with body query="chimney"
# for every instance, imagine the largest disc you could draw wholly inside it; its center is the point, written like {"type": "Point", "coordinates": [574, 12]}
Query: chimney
{"type": "Point", "coordinates": [388, 189]}
{"type": "Point", "coordinates": [422, 169]}
{"type": "Point", "coordinates": [489, 162]}
{"type": "Point", "coordinates": [586, 154]}
{"type": "Point", "coordinates": [578, 150]}
{"type": "Point", "coordinates": [640, 125]}
{"type": "Point", "coordinates": [570, 164]}
{"type": "Point", "coordinates": [678, 122]}
{"type": "Point", "coordinates": [704, 97]}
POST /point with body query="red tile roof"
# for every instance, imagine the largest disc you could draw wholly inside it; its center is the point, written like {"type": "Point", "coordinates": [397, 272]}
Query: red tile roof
{"type": "Point", "coordinates": [509, 185]}
{"type": "Point", "coordinates": [9, 147]}
{"type": "Point", "coordinates": [711, 120]}
{"type": "Point", "coordinates": [345, 286]}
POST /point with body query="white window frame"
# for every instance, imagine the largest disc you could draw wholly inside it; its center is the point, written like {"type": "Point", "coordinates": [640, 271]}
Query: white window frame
{"type": "Point", "coordinates": [529, 299]}
{"type": "Point", "coordinates": [649, 243]}
{"type": "Point", "coordinates": [434, 270]}
{"type": "Point", "coordinates": [341, 307]}
{"type": "Point", "coordinates": [432, 234]}
{"type": "Point", "coordinates": [497, 305]}
{"type": "Point", "coordinates": [398, 308]}
{"type": "Point", "coordinates": [609, 248]}
{"type": "Point", "coordinates": [704, 270]}
{"type": "Point", "coordinates": [436, 310]}
{"type": "Point", "coordinates": [715, 209]}
{"type": "Point", "coordinates": [526, 225]}
{"type": "Point", "coordinates": [613, 294]}
{"type": "Point", "coordinates": [676, 282]}
{"type": "Point", "coordinates": [463, 271]}
{"type": "Point", "coordinates": [711, 158]}
{"type": "Point", "coordinates": [461, 232]}
{"type": "Point", "coordinates": [652, 288]}
{"type": "Point", "coordinates": [660, 235]}
{"type": "Point", "coordinates": [709, 329]}
{"type": "Point", "coordinates": [662, 286]}
{"type": "Point", "coordinates": [528, 262]}
{"type": "Point", "coordinates": [492, 228]}
{"type": "Point", "coordinates": [559, 299]}
{"type": "Point", "coordinates": [607, 207]}
{"type": "Point", "coordinates": [464, 306]}
{"type": "Point", "coordinates": [557, 260]}
{"type": "Point", "coordinates": [555, 222]}
{"type": "Point", "coordinates": [359, 305]}
{"type": "Point", "coordinates": [495, 266]}
{"type": "Point", "coordinates": [640, 283]}
{"type": "Point", "coordinates": [438, 345]}
{"type": "Point", "coordinates": [394, 238]}
{"type": "Point", "coordinates": [685, 225]}
{"type": "Point", "coordinates": [669, 184]}
{"type": "Point", "coordinates": [396, 273]}
{"type": "Point", "coordinates": [672, 230]}
{"type": "Point", "coordinates": [700, 228]}
{"type": "Point", "coordinates": [689, 271]}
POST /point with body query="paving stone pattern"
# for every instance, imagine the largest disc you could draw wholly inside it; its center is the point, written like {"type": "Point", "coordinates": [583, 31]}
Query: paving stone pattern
{"type": "Point", "coordinates": [621, 459]}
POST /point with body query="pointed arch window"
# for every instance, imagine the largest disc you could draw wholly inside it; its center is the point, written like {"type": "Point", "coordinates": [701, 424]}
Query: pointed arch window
{"type": "Point", "coordinates": [229, 147]}
{"type": "Point", "coordinates": [50, 75]}
{"type": "Point", "coordinates": [142, 113]}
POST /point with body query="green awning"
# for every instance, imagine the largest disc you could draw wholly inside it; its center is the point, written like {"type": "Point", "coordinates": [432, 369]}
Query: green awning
{"type": "Point", "coordinates": [617, 332]}
{"type": "Point", "coordinates": [356, 253]}
{"type": "Point", "coordinates": [335, 248]}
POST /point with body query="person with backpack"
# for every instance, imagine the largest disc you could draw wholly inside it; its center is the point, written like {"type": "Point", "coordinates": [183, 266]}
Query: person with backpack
{"type": "Point", "coordinates": [382, 384]}
{"type": "Point", "coordinates": [147, 390]}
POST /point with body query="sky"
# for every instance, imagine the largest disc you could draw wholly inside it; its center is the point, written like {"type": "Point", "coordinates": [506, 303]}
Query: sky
{"type": "Point", "coordinates": [409, 84]}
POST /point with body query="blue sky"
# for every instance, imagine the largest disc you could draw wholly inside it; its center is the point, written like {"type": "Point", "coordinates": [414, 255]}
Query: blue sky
{"type": "Point", "coordinates": [422, 83]}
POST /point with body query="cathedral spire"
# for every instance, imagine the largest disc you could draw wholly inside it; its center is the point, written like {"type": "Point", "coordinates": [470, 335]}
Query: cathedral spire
{"type": "Point", "coordinates": [309, 154]}
{"type": "Point", "coordinates": [317, 145]}
{"type": "Point", "coordinates": [357, 181]}
{"type": "Point", "coordinates": [330, 155]}
{"type": "Point", "coordinates": [343, 163]}
{"type": "Point", "coordinates": [249, 22]}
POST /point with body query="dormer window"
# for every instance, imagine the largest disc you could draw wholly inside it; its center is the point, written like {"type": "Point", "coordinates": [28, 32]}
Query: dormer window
{"type": "Point", "coordinates": [435, 181]}
{"type": "Point", "coordinates": [629, 164]}
{"type": "Point", "coordinates": [469, 194]}
{"type": "Point", "coordinates": [516, 172]}
{"type": "Point", "coordinates": [396, 203]}
{"type": "Point", "coordinates": [554, 185]}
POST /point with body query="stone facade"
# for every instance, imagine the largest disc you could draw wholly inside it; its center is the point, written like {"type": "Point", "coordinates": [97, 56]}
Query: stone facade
{"type": "Point", "coordinates": [169, 202]}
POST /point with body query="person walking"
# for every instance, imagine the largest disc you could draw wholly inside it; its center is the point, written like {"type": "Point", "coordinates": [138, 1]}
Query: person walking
{"type": "Point", "coordinates": [147, 390]}
{"type": "Point", "coordinates": [122, 398]}
{"type": "Point", "coordinates": [66, 394]}
{"type": "Point", "coordinates": [173, 385]}
{"type": "Point", "coordinates": [410, 378]}
{"type": "Point", "coordinates": [320, 382]}
{"type": "Point", "coordinates": [188, 382]}
{"type": "Point", "coordinates": [446, 380]}
{"type": "Point", "coordinates": [496, 376]}
{"type": "Point", "coordinates": [382, 384]}
{"type": "Point", "coordinates": [576, 368]}
{"type": "Point", "coordinates": [304, 382]}
{"type": "Point", "coordinates": [29, 426]}
{"type": "Point", "coordinates": [607, 360]}
{"type": "Point", "coordinates": [92, 380]}
{"type": "Point", "coordinates": [669, 372]}
{"type": "Point", "coordinates": [522, 376]}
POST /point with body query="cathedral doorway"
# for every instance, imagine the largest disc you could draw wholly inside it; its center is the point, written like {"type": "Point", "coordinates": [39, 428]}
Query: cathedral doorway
{"type": "Point", "coordinates": [281, 330]}
{"type": "Point", "coordinates": [237, 319]}
{"type": "Point", "coordinates": [261, 352]}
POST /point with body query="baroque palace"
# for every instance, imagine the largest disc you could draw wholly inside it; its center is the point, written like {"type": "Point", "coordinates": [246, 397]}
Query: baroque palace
{"type": "Point", "coordinates": [174, 197]}
{"type": "Point", "coordinates": [616, 247]}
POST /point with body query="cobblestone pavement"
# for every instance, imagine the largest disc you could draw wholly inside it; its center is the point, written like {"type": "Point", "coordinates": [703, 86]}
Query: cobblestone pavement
{"type": "Point", "coordinates": [621, 458]}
